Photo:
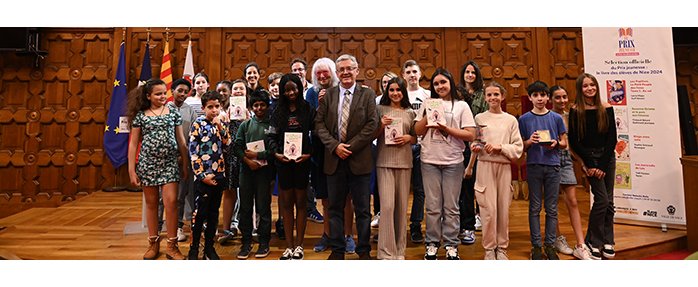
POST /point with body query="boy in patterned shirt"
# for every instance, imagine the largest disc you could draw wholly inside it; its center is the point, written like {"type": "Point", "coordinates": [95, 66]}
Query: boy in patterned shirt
{"type": "Point", "coordinates": [208, 138]}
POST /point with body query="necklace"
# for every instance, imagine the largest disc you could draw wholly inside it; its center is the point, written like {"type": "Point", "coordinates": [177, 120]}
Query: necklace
{"type": "Point", "coordinates": [162, 110]}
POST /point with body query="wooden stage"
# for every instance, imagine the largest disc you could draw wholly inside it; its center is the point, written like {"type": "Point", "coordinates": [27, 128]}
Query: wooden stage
{"type": "Point", "coordinates": [92, 227]}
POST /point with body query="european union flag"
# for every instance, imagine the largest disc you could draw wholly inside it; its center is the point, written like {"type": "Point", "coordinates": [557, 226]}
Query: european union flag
{"type": "Point", "coordinates": [116, 131]}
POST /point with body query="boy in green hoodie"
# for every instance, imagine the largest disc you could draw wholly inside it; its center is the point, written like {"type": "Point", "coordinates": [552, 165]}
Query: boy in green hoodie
{"type": "Point", "coordinates": [256, 174]}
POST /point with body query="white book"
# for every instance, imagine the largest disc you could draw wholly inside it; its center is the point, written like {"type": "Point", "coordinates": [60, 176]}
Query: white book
{"type": "Point", "coordinates": [293, 145]}
{"type": "Point", "coordinates": [393, 131]}
{"type": "Point", "coordinates": [238, 108]}
{"type": "Point", "coordinates": [435, 112]}
{"type": "Point", "coordinates": [257, 146]}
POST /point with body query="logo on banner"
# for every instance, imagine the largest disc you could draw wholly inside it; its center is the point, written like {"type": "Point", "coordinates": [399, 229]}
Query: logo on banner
{"type": "Point", "coordinates": [626, 44]}
{"type": "Point", "coordinates": [650, 213]}
{"type": "Point", "coordinates": [671, 209]}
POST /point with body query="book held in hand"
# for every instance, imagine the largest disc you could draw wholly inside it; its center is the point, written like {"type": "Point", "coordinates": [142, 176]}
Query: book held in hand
{"type": "Point", "coordinates": [257, 146]}
{"type": "Point", "coordinates": [238, 108]}
{"type": "Point", "coordinates": [293, 145]}
{"type": "Point", "coordinates": [435, 112]}
{"type": "Point", "coordinates": [393, 131]}
{"type": "Point", "coordinates": [544, 137]}
{"type": "Point", "coordinates": [480, 132]}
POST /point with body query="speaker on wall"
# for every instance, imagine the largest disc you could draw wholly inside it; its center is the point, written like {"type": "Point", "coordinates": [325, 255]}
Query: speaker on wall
{"type": "Point", "coordinates": [688, 131]}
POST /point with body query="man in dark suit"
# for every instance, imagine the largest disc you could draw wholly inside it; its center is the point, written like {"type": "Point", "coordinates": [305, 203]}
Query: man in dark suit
{"type": "Point", "coordinates": [345, 123]}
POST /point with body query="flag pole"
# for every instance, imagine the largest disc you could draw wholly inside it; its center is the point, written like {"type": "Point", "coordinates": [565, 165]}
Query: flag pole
{"type": "Point", "coordinates": [118, 171]}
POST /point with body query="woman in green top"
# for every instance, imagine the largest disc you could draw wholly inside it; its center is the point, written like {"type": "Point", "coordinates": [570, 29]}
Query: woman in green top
{"type": "Point", "coordinates": [472, 89]}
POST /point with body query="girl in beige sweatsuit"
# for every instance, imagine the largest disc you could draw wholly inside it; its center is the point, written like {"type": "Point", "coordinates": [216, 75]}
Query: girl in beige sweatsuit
{"type": "Point", "coordinates": [499, 145]}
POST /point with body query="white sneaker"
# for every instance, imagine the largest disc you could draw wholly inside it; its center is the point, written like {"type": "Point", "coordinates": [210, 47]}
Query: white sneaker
{"type": "Point", "coordinates": [594, 253]}
{"type": "Point", "coordinates": [490, 254]}
{"type": "Point", "coordinates": [562, 246]}
{"type": "Point", "coordinates": [374, 220]}
{"type": "Point", "coordinates": [468, 237]}
{"type": "Point", "coordinates": [181, 236]}
{"type": "Point", "coordinates": [452, 253]}
{"type": "Point", "coordinates": [581, 253]}
{"type": "Point", "coordinates": [608, 251]}
{"type": "Point", "coordinates": [478, 223]}
{"type": "Point", "coordinates": [298, 253]}
{"type": "Point", "coordinates": [430, 252]}
{"type": "Point", "coordinates": [501, 254]}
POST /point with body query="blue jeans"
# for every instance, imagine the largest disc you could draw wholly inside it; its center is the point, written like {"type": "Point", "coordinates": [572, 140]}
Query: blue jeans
{"type": "Point", "coordinates": [417, 211]}
{"type": "Point", "coordinates": [543, 180]}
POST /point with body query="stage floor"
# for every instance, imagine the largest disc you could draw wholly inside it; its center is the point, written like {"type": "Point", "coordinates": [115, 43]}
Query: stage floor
{"type": "Point", "coordinates": [92, 227]}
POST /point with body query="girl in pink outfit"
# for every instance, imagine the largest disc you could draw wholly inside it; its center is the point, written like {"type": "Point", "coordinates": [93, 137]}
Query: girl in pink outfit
{"type": "Point", "coordinates": [499, 145]}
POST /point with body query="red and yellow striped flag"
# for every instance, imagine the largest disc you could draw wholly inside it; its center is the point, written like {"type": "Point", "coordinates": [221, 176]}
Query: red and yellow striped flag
{"type": "Point", "coordinates": [166, 71]}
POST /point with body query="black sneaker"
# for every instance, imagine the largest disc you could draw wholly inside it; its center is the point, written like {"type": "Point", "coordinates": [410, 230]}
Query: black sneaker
{"type": "Point", "coordinates": [551, 253]}
{"type": "Point", "coordinates": [262, 251]}
{"type": "Point", "coordinates": [298, 253]}
{"type": "Point", "coordinates": [416, 235]}
{"type": "Point", "coordinates": [288, 253]}
{"type": "Point", "coordinates": [431, 251]}
{"type": "Point", "coordinates": [536, 253]}
{"type": "Point", "coordinates": [452, 253]}
{"type": "Point", "coordinates": [594, 252]}
{"type": "Point", "coordinates": [608, 251]}
{"type": "Point", "coordinates": [245, 251]}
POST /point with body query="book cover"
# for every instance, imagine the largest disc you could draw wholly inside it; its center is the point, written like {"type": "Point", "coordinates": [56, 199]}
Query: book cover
{"type": "Point", "coordinates": [544, 137]}
{"type": "Point", "coordinates": [293, 145]}
{"type": "Point", "coordinates": [393, 131]}
{"type": "Point", "coordinates": [621, 114]}
{"type": "Point", "coordinates": [238, 108]}
{"type": "Point", "coordinates": [435, 112]}
{"type": "Point", "coordinates": [616, 92]}
{"type": "Point", "coordinates": [257, 146]}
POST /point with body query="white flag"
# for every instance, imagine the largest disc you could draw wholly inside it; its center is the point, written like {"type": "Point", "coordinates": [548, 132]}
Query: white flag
{"type": "Point", "coordinates": [188, 64]}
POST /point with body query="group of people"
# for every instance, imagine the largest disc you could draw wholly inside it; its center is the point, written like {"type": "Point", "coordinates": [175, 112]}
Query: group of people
{"type": "Point", "coordinates": [457, 169]}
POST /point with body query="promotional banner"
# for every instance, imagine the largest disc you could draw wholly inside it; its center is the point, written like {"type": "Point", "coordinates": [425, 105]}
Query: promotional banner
{"type": "Point", "coordinates": [636, 74]}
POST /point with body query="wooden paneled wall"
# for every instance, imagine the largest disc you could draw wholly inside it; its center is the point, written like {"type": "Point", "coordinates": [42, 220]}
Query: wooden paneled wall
{"type": "Point", "coordinates": [52, 111]}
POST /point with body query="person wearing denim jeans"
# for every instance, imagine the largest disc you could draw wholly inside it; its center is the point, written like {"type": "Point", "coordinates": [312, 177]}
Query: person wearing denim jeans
{"type": "Point", "coordinates": [543, 186]}
{"type": "Point", "coordinates": [593, 136]}
{"type": "Point", "coordinates": [544, 132]}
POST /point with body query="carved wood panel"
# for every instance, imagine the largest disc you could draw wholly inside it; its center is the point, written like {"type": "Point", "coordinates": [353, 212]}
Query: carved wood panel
{"type": "Point", "coordinates": [377, 49]}
{"type": "Point", "coordinates": [507, 56]}
{"type": "Point", "coordinates": [50, 118]}
{"type": "Point", "coordinates": [565, 55]}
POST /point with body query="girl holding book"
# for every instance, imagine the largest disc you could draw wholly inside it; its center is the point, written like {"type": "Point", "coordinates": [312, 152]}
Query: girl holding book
{"type": "Point", "coordinates": [500, 144]}
{"type": "Point", "coordinates": [231, 205]}
{"type": "Point", "coordinates": [394, 167]}
{"type": "Point", "coordinates": [292, 116]}
{"type": "Point", "coordinates": [442, 163]}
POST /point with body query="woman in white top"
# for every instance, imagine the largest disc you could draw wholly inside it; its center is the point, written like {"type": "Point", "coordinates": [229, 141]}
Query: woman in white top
{"type": "Point", "coordinates": [442, 164]}
{"type": "Point", "coordinates": [499, 145]}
